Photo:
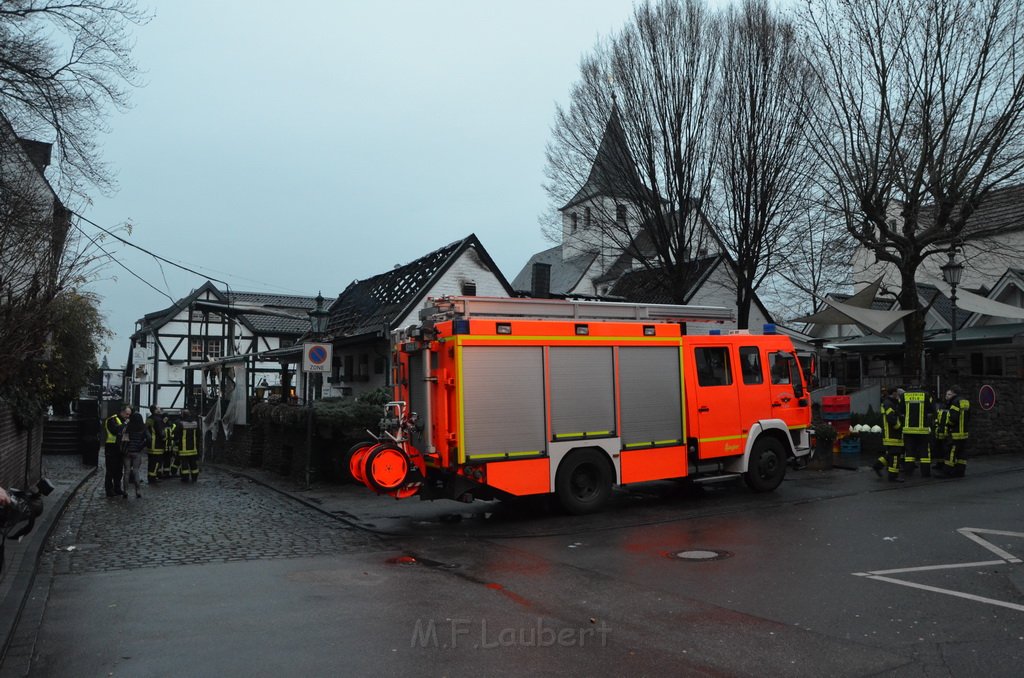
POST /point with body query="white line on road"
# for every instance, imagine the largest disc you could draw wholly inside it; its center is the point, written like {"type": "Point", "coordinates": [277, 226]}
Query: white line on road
{"type": "Point", "coordinates": [972, 534]}
{"type": "Point", "coordinates": [948, 592]}
{"type": "Point", "coordinates": [925, 568]}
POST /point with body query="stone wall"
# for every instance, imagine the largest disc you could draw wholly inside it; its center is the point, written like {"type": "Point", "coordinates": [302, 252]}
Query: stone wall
{"type": "Point", "coordinates": [1000, 429]}
{"type": "Point", "coordinates": [21, 451]}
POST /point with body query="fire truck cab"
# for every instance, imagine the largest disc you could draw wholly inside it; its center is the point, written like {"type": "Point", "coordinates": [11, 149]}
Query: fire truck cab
{"type": "Point", "coordinates": [500, 397]}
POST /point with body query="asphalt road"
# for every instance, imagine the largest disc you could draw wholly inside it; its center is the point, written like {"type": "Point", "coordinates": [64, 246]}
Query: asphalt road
{"type": "Point", "coordinates": [836, 574]}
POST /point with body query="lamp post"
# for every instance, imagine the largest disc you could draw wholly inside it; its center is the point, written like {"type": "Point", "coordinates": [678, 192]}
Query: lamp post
{"type": "Point", "coordinates": [952, 271]}
{"type": "Point", "coordinates": [318, 318]}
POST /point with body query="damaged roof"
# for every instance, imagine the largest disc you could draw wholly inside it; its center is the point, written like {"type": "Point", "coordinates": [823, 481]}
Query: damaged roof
{"type": "Point", "coordinates": [368, 306]}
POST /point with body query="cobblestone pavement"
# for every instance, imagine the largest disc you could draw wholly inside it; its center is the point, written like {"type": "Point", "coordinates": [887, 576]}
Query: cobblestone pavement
{"type": "Point", "coordinates": [221, 518]}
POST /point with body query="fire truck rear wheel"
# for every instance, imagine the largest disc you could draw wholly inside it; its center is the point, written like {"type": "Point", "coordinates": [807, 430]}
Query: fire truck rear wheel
{"type": "Point", "coordinates": [767, 465]}
{"type": "Point", "coordinates": [584, 482]}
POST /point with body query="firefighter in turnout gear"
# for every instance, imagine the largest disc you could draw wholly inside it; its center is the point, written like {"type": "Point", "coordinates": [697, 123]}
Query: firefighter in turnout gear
{"type": "Point", "coordinates": [957, 415]}
{"type": "Point", "coordinates": [892, 438]}
{"type": "Point", "coordinates": [188, 452]}
{"type": "Point", "coordinates": [157, 444]}
{"type": "Point", "coordinates": [918, 418]}
{"type": "Point", "coordinates": [169, 468]}
{"type": "Point", "coordinates": [112, 457]}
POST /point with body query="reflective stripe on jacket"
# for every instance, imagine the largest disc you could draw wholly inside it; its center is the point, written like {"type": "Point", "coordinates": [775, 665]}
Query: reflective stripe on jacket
{"type": "Point", "coordinates": [187, 439]}
{"type": "Point", "coordinates": [958, 414]}
{"type": "Point", "coordinates": [156, 434]}
{"type": "Point", "coordinates": [918, 410]}
{"type": "Point", "coordinates": [112, 434]}
{"type": "Point", "coordinates": [892, 434]}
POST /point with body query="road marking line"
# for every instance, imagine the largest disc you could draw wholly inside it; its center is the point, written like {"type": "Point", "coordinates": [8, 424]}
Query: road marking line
{"type": "Point", "coordinates": [971, 533]}
{"type": "Point", "coordinates": [926, 568]}
{"type": "Point", "coordinates": [958, 594]}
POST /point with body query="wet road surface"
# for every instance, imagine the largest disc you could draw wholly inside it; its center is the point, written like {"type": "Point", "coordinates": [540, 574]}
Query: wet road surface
{"type": "Point", "coordinates": [229, 577]}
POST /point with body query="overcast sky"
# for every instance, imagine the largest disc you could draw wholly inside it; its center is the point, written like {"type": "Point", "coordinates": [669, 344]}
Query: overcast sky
{"type": "Point", "coordinates": [293, 151]}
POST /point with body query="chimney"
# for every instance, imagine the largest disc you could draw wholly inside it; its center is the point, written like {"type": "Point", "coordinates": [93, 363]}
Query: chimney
{"type": "Point", "coordinates": [540, 281]}
{"type": "Point", "coordinates": [38, 152]}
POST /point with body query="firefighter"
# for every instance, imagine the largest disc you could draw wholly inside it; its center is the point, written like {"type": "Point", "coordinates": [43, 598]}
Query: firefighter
{"type": "Point", "coordinates": [940, 449]}
{"type": "Point", "coordinates": [112, 456]}
{"type": "Point", "coordinates": [170, 465]}
{"type": "Point", "coordinates": [958, 414]}
{"type": "Point", "coordinates": [188, 453]}
{"type": "Point", "coordinates": [918, 418]}
{"type": "Point", "coordinates": [157, 444]}
{"type": "Point", "coordinates": [892, 437]}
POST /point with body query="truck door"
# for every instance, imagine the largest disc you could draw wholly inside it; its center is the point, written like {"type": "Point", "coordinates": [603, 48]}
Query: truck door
{"type": "Point", "coordinates": [716, 404]}
{"type": "Point", "coordinates": [788, 401]}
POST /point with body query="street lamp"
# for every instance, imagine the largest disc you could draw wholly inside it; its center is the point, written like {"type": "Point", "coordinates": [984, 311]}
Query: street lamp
{"type": "Point", "coordinates": [318, 319]}
{"type": "Point", "coordinates": [952, 270]}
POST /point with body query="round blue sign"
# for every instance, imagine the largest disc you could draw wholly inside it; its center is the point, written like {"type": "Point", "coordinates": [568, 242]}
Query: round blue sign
{"type": "Point", "coordinates": [987, 397]}
{"type": "Point", "coordinates": [317, 355]}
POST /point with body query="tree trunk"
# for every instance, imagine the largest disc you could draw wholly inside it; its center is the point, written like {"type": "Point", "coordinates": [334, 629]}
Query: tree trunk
{"type": "Point", "coordinates": [913, 325]}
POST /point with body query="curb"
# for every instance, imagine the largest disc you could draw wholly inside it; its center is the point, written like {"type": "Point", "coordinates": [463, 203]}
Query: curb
{"type": "Point", "coordinates": [19, 573]}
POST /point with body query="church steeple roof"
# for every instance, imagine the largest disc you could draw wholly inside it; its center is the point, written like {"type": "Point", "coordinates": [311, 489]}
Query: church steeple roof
{"type": "Point", "coordinates": [613, 173]}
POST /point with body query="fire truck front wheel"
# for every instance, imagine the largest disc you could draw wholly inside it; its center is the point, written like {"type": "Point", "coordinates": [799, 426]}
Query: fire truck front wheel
{"type": "Point", "coordinates": [584, 481]}
{"type": "Point", "coordinates": [767, 465]}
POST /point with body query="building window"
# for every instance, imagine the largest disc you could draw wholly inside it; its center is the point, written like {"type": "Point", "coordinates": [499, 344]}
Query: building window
{"type": "Point", "coordinates": [196, 349]}
{"type": "Point", "coordinates": [469, 288]}
{"type": "Point", "coordinates": [586, 218]}
{"type": "Point", "coordinates": [214, 348]}
{"type": "Point", "coordinates": [620, 214]}
{"type": "Point", "coordinates": [575, 220]}
{"type": "Point", "coordinates": [349, 374]}
{"type": "Point", "coordinates": [379, 365]}
{"type": "Point", "coordinates": [994, 365]}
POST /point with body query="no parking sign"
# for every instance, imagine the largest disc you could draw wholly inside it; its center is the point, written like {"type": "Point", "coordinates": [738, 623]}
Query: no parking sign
{"type": "Point", "coordinates": [987, 397]}
{"type": "Point", "coordinates": [316, 357]}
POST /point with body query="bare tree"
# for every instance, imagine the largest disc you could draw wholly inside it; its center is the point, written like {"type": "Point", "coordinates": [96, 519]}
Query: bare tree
{"type": "Point", "coordinates": [762, 109]}
{"type": "Point", "coordinates": [818, 251]}
{"type": "Point", "coordinates": [635, 147]}
{"type": "Point", "coordinates": [62, 64]}
{"type": "Point", "coordinates": [923, 121]}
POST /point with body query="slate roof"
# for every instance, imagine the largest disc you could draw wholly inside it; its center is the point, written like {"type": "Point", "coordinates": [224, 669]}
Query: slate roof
{"type": "Point", "coordinates": [641, 286]}
{"type": "Point", "coordinates": [273, 325]}
{"type": "Point", "coordinates": [1002, 209]}
{"type": "Point", "coordinates": [367, 305]}
{"type": "Point", "coordinates": [259, 324]}
{"type": "Point", "coordinates": [565, 275]}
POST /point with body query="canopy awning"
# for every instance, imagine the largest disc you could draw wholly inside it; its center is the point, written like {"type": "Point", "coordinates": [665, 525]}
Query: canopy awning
{"type": "Point", "coordinates": [856, 311]}
{"type": "Point", "coordinates": [975, 303]}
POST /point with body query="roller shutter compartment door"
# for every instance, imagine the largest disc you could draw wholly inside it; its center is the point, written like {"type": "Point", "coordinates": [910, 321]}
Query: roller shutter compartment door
{"type": "Point", "coordinates": [649, 387]}
{"type": "Point", "coordinates": [582, 392]}
{"type": "Point", "coordinates": [417, 395]}
{"type": "Point", "coordinates": [503, 400]}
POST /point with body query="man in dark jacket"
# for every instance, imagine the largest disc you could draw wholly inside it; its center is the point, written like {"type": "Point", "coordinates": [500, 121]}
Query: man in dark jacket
{"type": "Point", "coordinates": [113, 457]}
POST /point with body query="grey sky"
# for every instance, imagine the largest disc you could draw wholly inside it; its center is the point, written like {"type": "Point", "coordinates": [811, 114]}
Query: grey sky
{"type": "Point", "coordinates": [295, 151]}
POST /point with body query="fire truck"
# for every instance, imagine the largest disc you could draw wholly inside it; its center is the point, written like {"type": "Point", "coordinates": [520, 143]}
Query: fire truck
{"type": "Point", "coordinates": [512, 397]}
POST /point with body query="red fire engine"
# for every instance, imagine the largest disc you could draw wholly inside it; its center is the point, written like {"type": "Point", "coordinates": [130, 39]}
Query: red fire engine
{"type": "Point", "coordinates": [499, 397]}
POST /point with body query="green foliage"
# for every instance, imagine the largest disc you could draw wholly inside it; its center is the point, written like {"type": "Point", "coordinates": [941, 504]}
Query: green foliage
{"type": "Point", "coordinates": [341, 417]}
{"type": "Point", "coordinates": [825, 433]}
{"type": "Point", "coordinates": [870, 418]}
{"type": "Point", "coordinates": [76, 334]}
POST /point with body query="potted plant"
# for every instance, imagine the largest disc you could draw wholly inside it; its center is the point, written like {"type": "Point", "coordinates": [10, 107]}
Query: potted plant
{"type": "Point", "coordinates": [824, 437]}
